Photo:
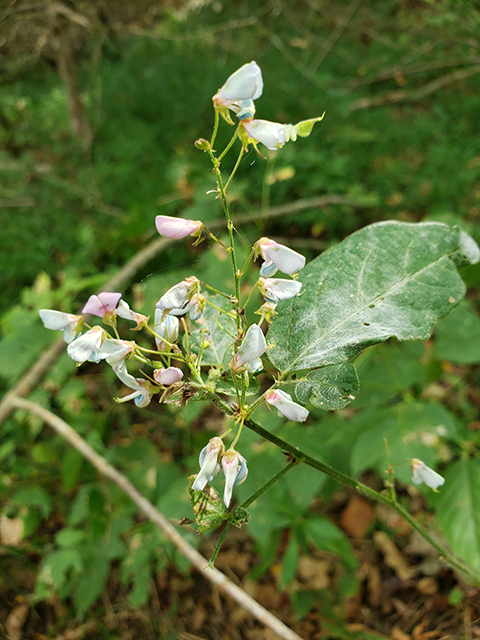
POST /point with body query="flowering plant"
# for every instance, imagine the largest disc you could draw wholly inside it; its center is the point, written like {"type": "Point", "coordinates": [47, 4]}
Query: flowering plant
{"type": "Point", "coordinates": [388, 279]}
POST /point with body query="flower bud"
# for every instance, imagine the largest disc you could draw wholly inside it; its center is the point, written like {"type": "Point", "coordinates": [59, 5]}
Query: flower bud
{"type": "Point", "coordinates": [168, 376]}
{"type": "Point", "coordinates": [234, 467]}
{"type": "Point", "coordinates": [177, 228]}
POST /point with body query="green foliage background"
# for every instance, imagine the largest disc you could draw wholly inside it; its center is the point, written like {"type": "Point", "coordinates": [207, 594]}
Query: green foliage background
{"type": "Point", "coordinates": [399, 139]}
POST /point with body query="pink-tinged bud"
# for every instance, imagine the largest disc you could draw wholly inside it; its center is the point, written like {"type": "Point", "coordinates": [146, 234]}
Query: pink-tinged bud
{"type": "Point", "coordinates": [70, 324]}
{"type": "Point", "coordinates": [283, 258]}
{"type": "Point", "coordinates": [86, 346]}
{"type": "Point", "coordinates": [422, 473]}
{"type": "Point", "coordinates": [168, 376]}
{"type": "Point", "coordinates": [234, 467]}
{"type": "Point", "coordinates": [166, 327]}
{"type": "Point", "coordinates": [245, 84]}
{"type": "Point", "coordinates": [209, 461]}
{"type": "Point", "coordinates": [285, 405]}
{"type": "Point", "coordinates": [276, 289]}
{"type": "Point", "coordinates": [142, 389]}
{"type": "Point", "coordinates": [124, 311]}
{"type": "Point", "coordinates": [102, 305]}
{"type": "Point", "coordinates": [252, 347]}
{"type": "Point", "coordinates": [177, 228]}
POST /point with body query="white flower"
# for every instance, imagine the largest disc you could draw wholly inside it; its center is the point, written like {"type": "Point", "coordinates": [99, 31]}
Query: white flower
{"type": "Point", "coordinates": [113, 350]}
{"type": "Point", "coordinates": [239, 91]}
{"type": "Point", "coordinates": [86, 346]}
{"type": "Point", "coordinates": [422, 473]}
{"type": "Point", "coordinates": [70, 324]}
{"type": "Point", "coordinates": [168, 376]}
{"type": "Point", "coordinates": [252, 347]}
{"type": "Point", "coordinates": [274, 135]}
{"type": "Point", "coordinates": [166, 327]}
{"type": "Point", "coordinates": [278, 256]}
{"type": "Point", "coordinates": [177, 301]}
{"type": "Point", "coordinates": [234, 466]}
{"type": "Point", "coordinates": [142, 389]}
{"type": "Point", "coordinates": [276, 289]}
{"type": "Point", "coordinates": [209, 461]}
{"type": "Point", "coordinates": [177, 228]}
{"type": "Point", "coordinates": [285, 405]}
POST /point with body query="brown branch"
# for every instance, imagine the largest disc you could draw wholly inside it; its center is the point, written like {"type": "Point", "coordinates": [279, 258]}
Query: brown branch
{"type": "Point", "coordinates": [224, 584]}
{"type": "Point", "coordinates": [33, 376]}
{"type": "Point", "coordinates": [393, 97]}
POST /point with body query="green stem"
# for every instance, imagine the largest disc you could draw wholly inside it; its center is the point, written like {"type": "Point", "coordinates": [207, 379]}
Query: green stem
{"type": "Point", "coordinates": [247, 503]}
{"type": "Point", "coordinates": [301, 456]}
{"type": "Point", "coordinates": [234, 170]}
{"type": "Point", "coordinates": [221, 189]}
{"type": "Point", "coordinates": [229, 145]}
{"type": "Point", "coordinates": [215, 129]}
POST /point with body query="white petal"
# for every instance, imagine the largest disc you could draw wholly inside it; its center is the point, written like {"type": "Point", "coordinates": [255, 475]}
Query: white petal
{"type": "Point", "coordinates": [252, 347]}
{"type": "Point", "coordinates": [245, 84]}
{"type": "Point", "coordinates": [271, 134]}
{"type": "Point", "coordinates": [83, 347]}
{"type": "Point", "coordinates": [286, 406]}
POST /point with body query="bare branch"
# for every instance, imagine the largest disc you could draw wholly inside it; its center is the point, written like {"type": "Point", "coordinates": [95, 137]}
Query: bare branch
{"type": "Point", "coordinates": [224, 584]}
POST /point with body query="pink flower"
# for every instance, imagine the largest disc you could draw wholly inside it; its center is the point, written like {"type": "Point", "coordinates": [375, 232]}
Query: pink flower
{"type": "Point", "coordinates": [168, 376]}
{"type": "Point", "coordinates": [285, 405]}
{"type": "Point", "coordinates": [102, 305]}
{"type": "Point", "coordinates": [177, 228]}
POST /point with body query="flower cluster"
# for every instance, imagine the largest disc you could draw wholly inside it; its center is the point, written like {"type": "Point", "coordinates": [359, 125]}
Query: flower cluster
{"type": "Point", "coordinates": [238, 93]}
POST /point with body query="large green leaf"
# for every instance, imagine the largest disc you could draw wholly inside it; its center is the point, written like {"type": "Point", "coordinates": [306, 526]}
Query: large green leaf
{"type": "Point", "coordinates": [388, 279]}
{"type": "Point", "coordinates": [458, 509]}
{"type": "Point", "coordinates": [330, 387]}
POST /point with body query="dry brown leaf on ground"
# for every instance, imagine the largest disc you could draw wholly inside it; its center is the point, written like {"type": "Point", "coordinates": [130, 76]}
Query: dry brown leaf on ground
{"type": "Point", "coordinates": [15, 621]}
{"type": "Point", "coordinates": [392, 556]}
{"type": "Point", "coordinates": [11, 531]}
{"type": "Point", "coordinates": [398, 634]}
{"type": "Point", "coordinates": [314, 573]}
{"type": "Point", "coordinates": [357, 517]}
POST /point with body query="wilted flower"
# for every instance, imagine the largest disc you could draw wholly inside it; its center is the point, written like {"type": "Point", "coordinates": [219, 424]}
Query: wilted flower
{"type": "Point", "coordinates": [285, 405]}
{"type": "Point", "coordinates": [276, 289]}
{"type": "Point", "coordinates": [422, 473]}
{"type": "Point", "coordinates": [278, 256]}
{"type": "Point", "coordinates": [253, 346]}
{"type": "Point", "coordinates": [234, 466]}
{"type": "Point", "coordinates": [70, 324]}
{"type": "Point", "coordinates": [113, 350]}
{"type": "Point", "coordinates": [239, 91]}
{"type": "Point", "coordinates": [177, 228]}
{"type": "Point", "coordinates": [86, 347]}
{"type": "Point", "coordinates": [177, 301]}
{"type": "Point", "coordinates": [103, 305]}
{"type": "Point", "coordinates": [273, 134]}
{"type": "Point", "coordinates": [142, 389]}
{"type": "Point", "coordinates": [168, 376]}
{"type": "Point", "coordinates": [123, 311]}
{"type": "Point", "coordinates": [209, 461]}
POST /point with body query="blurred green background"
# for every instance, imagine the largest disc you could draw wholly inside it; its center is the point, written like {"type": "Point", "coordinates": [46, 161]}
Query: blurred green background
{"type": "Point", "coordinates": [101, 103]}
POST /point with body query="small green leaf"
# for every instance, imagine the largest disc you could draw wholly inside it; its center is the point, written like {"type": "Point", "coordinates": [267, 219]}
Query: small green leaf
{"type": "Point", "coordinates": [329, 388]}
{"type": "Point", "coordinates": [239, 516]}
{"type": "Point", "coordinates": [458, 509]}
{"type": "Point", "coordinates": [208, 507]}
